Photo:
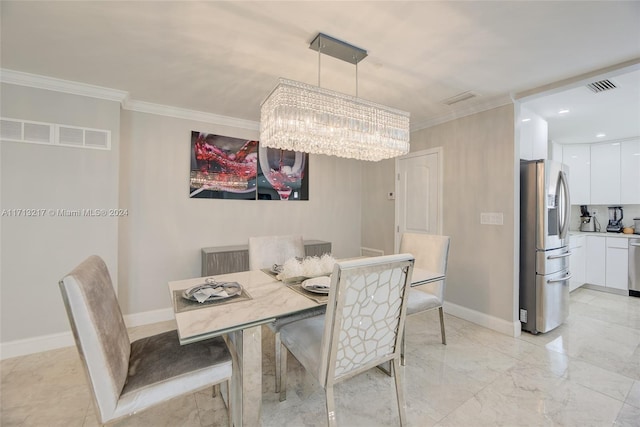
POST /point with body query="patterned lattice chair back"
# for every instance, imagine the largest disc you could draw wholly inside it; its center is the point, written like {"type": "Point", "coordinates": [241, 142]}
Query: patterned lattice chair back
{"type": "Point", "coordinates": [365, 314]}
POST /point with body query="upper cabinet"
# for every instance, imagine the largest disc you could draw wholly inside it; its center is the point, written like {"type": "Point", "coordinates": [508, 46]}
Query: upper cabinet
{"type": "Point", "coordinates": [630, 172]}
{"type": "Point", "coordinates": [577, 157]}
{"type": "Point", "coordinates": [605, 173]}
{"type": "Point", "coordinates": [533, 136]}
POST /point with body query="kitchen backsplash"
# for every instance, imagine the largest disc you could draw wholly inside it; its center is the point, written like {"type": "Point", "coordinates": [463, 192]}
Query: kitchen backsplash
{"type": "Point", "coordinates": [628, 211]}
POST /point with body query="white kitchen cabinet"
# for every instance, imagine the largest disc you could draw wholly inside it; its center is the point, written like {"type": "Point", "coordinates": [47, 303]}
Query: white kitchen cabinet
{"type": "Point", "coordinates": [630, 172]}
{"type": "Point", "coordinates": [577, 262]}
{"type": "Point", "coordinates": [617, 263]}
{"type": "Point", "coordinates": [605, 173]}
{"type": "Point", "coordinates": [534, 136]}
{"type": "Point", "coordinates": [578, 157]}
{"type": "Point", "coordinates": [596, 260]}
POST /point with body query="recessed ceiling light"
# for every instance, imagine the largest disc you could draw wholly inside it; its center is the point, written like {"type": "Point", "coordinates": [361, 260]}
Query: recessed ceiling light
{"type": "Point", "coordinates": [601, 135]}
{"type": "Point", "coordinates": [636, 154]}
{"type": "Point", "coordinates": [616, 143]}
{"type": "Point", "coordinates": [565, 111]}
{"type": "Point", "coordinates": [526, 120]}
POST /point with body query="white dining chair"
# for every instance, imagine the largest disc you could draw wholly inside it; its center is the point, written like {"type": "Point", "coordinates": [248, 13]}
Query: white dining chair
{"type": "Point", "coordinates": [264, 252]}
{"type": "Point", "coordinates": [361, 329]}
{"type": "Point", "coordinates": [126, 377]}
{"type": "Point", "coordinates": [431, 253]}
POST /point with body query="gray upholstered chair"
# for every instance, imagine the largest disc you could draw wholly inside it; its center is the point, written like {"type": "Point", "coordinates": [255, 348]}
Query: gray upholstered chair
{"type": "Point", "coordinates": [264, 252]}
{"type": "Point", "coordinates": [126, 377]}
{"type": "Point", "coordinates": [431, 253]}
{"type": "Point", "coordinates": [361, 329]}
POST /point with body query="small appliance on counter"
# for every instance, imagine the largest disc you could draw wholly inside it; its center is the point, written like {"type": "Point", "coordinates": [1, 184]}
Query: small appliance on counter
{"type": "Point", "coordinates": [615, 219]}
{"type": "Point", "coordinates": [636, 225]}
{"type": "Point", "coordinates": [587, 223]}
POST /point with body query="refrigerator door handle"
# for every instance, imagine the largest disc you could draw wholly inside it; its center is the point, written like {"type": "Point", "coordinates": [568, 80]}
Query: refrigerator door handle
{"type": "Point", "coordinates": [564, 279]}
{"type": "Point", "coordinates": [634, 244]}
{"type": "Point", "coordinates": [565, 203]}
{"type": "Point", "coordinates": [564, 255]}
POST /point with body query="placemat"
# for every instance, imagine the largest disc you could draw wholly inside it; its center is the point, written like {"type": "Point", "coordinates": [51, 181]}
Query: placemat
{"type": "Point", "coordinates": [295, 284]}
{"type": "Point", "coordinates": [183, 304]}
{"type": "Point", "coordinates": [319, 298]}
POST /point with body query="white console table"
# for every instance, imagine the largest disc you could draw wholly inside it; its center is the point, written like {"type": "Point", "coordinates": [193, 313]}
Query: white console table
{"type": "Point", "coordinates": [231, 259]}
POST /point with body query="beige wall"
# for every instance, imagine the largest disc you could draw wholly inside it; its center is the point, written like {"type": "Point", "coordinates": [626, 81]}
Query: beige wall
{"type": "Point", "coordinates": [146, 173]}
{"type": "Point", "coordinates": [479, 176]}
{"type": "Point", "coordinates": [39, 251]}
{"type": "Point", "coordinates": [378, 213]}
{"type": "Point", "coordinates": [161, 238]}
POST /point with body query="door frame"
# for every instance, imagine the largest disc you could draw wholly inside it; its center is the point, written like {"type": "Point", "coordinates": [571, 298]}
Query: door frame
{"type": "Point", "coordinates": [439, 223]}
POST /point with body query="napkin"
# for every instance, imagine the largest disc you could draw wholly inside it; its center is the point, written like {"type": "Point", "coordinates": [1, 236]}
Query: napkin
{"type": "Point", "coordinates": [205, 292]}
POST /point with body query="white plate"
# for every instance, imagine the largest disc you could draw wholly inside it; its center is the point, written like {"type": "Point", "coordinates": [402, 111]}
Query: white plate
{"type": "Point", "coordinates": [231, 289]}
{"type": "Point", "coordinates": [317, 285]}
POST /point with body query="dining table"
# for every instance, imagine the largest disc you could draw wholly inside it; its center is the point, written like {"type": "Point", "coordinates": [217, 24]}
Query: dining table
{"type": "Point", "coordinates": [262, 300]}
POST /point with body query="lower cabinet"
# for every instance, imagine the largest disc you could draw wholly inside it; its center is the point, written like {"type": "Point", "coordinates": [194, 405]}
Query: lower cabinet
{"type": "Point", "coordinates": [596, 260]}
{"type": "Point", "coordinates": [607, 262]}
{"type": "Point", "coordinates": [617, 263]}
{"type": "Point", "coordinates": [577, 262]}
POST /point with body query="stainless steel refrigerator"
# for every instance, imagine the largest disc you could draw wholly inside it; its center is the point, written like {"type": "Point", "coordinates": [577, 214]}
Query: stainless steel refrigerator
{"type": "Point", "coordinates": [544, 245]}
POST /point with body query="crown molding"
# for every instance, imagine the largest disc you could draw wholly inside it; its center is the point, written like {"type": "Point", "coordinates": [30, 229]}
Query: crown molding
{"type": "Point", "coordinates": [457, 114]}
{"type": "Point", "coordinates": [186, 114]}
{"type": "Point", "coordinates": [59, 85]}
{"type": "Point", "coordinates": [66, 86]}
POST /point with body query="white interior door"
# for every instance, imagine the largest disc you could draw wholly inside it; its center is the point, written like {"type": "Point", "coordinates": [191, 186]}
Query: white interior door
{"type": "Point", "coordinates": [419, 193]}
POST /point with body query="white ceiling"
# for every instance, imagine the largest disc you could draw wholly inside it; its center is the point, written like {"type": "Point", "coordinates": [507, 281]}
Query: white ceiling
{"type": "Point", "coordinates": [593, 117]}
{"type": "Point", "coordinates": [225, 57]}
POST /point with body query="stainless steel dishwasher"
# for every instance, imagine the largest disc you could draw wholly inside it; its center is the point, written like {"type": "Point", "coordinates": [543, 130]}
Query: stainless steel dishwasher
{"type": "Point", "coordinates": [634, 267]}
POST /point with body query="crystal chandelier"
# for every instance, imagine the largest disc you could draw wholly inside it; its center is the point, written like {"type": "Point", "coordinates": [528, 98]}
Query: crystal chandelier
{"type": "Point", "coordinates": [302, 117]}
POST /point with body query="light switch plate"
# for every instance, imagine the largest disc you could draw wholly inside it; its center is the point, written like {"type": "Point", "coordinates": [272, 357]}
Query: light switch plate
{"type": "Point", "coordinates": [492, 218]}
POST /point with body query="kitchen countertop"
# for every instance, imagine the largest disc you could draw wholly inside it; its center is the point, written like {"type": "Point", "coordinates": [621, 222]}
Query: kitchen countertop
{"type": "Point", "coordinates": [604, 234]}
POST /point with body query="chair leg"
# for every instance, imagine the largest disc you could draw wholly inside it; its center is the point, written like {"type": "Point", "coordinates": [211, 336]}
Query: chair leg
{"type": "Point", "coordinates": [277, 359]}
{"type": "Point", "coordinates": [229, 413]}
{"type": "Point", "coordinates": [444, 337]}
{"type": "Point", "coordinates": [331, 407]}
{"type": "Point", "coordinates": [403, 347]}
{"type": "Point", "coordinates": [397, 373]}
{"type": "Point", "coordinates": [283, 372]}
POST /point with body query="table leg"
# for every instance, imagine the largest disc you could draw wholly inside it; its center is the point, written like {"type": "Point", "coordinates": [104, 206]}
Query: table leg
{"type": "Point", "coordinates": [246, 384]}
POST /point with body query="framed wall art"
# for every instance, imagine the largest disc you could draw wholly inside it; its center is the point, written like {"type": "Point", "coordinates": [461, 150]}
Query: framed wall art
{"type": "Point", "coordinates": [224, 167]}
{"type": "Point", "coordinates": [282, 174]}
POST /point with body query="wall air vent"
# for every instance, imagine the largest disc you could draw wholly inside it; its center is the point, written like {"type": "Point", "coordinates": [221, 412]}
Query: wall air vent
{"type": "Point", "coordinates": [459, 98]}
{"type": "Point", "coordinates": [601, 86]}
{"type": "Point", "coordinates": [16, 130]}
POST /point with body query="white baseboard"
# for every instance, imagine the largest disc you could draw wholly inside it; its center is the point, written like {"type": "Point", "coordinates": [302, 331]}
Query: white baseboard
{"type": "Point", "coordinates": [65, 339]}
{"type": "Point", "coordinates": [148, 317]}
{"type": "Point", "coordinates": [35, 345]}
{"type": "Point", "coordinates": [500, 325]}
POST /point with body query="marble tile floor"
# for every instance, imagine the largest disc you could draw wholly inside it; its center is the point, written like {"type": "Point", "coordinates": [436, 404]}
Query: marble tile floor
{"type": "Point", "coordinates": [585, 373]}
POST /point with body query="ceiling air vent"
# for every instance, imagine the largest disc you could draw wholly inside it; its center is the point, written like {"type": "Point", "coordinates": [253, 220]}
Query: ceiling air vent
{"type": "Point", "coordinates": [459, 98]}
{"type": "Point", "coordinates": [601, 86]}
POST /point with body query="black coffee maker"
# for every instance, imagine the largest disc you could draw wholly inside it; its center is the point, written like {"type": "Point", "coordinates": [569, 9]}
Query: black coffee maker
{"type": "Point", "coordinates": [615, 219]}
